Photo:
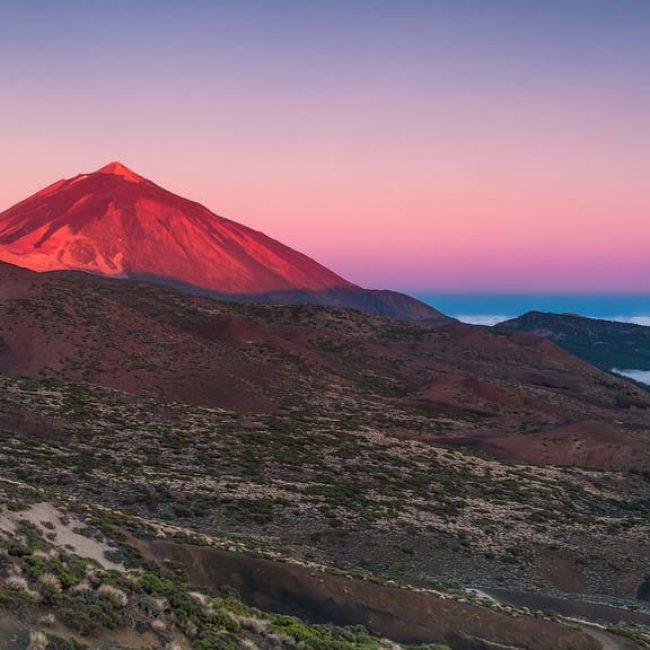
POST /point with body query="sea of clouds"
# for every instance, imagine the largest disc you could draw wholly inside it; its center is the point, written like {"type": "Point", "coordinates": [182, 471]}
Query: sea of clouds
{"type": "Point", "coordinates": [493, 319]}
{"type": "Point", "coordinates": [482, 319]}
{"type": "Point", "coordinates": [642, 376]}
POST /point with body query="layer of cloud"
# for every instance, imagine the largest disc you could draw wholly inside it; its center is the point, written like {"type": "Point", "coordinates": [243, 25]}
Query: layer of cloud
{"type": "Point", "coordinates": [642, 376]}
{"type": "Point", "coordinates": [493, 319]}
{"type": "Point", "coordinates": [637, 320]}
{"type": "Point", "coordinates": [482, 319]}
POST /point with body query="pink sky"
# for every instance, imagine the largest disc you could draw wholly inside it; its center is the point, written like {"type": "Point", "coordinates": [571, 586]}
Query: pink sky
{"type": "Point", "coordinates": [499, 160]}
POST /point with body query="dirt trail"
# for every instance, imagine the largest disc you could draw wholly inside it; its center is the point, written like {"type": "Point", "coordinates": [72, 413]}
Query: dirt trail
{"type": "Point", "coordinates": [403, 615]}
{"type": "Point", "coordinates": [609, 641]}
{"type": "Point", "coordinates": [569, 607]}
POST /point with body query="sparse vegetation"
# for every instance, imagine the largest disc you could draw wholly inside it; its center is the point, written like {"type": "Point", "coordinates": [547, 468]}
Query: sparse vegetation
{"type": "Point", "coordinates": [326, 439]}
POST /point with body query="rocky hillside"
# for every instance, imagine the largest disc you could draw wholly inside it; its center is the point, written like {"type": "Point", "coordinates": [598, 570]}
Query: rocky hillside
{"type": "Point", "coordinates": [511, 395]}
{"type": "Point", "coordinates": [189, 473]}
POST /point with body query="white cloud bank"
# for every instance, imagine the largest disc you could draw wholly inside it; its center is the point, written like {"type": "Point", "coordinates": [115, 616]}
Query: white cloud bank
{"type": "Point", "coordinates": [642, 376]}
{"type": "Point", "coordinates": [637, 320]}
{"type": "Point", "coordinates": [482, 319]}
{"type": "Point", "coordinates": [493, 319]}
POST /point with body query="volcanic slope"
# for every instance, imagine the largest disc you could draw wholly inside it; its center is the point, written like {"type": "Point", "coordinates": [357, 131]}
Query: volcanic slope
{"type": "Point", "coordinates": [114, 222]}
{"type": "Point", "coordinates": [500, 392]}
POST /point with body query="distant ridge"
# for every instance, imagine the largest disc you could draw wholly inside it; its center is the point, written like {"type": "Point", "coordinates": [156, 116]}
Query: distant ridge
{"type": "Point", "coordinates": [604, 343]}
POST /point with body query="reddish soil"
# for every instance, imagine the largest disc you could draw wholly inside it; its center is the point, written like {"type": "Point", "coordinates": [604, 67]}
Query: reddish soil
{"type": "Point", "coordinates": [585, 443]}
{"type": "Point", "coordinates": [510, 395]}
{"type": "Point", "coordinates": [559, 569]}
{"type": "Point", "coordinates": [603, 614]}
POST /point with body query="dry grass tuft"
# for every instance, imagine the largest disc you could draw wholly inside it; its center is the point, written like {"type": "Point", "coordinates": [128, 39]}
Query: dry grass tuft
{"type": "Point", "coordinates": [117, 596]}
{"type": "Point", "coordinates": [49, 581]}
{"type": "Point", "coordinates": [37, 641]}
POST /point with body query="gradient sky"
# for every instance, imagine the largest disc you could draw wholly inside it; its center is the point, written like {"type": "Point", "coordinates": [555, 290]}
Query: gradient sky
{"type": "Point", "coordinates": [445, 145]}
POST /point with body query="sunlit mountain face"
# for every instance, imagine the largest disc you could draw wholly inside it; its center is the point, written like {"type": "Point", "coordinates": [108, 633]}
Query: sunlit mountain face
{"type": "Point", "coordinates": [114, 222]}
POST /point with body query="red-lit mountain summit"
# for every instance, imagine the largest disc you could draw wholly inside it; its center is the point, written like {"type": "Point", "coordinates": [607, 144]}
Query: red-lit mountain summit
{"type": "Point", "coordinates": [116, 223]}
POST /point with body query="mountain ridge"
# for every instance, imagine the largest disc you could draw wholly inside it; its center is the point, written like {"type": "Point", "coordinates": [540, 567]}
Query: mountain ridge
{"type": "Point", "coordinates": [606, 344]}
{"type": "Point", "coordinates": [114, 222]}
